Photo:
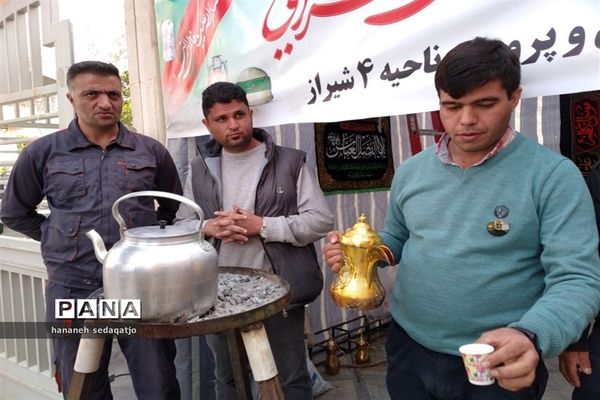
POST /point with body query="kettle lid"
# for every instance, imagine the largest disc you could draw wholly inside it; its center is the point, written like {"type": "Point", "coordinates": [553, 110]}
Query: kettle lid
{"type": "Point", "coordinates": [361, 235]}
{"type": "Point", "coordinates": [161, 231]}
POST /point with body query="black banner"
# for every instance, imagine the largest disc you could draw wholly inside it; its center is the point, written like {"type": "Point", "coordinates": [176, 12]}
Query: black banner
{"type": "Point", "coordinates": [354, 155]}
{"type": "Point", "coordinates": [580, 129]}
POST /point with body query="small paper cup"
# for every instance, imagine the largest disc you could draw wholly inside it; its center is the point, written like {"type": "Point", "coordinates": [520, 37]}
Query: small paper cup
{"type": "Point", "coordinates": [473, 355]}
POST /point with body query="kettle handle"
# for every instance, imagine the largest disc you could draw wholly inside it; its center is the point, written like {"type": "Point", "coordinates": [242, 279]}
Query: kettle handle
{"type": "Point", "coordinates": [153, 193]}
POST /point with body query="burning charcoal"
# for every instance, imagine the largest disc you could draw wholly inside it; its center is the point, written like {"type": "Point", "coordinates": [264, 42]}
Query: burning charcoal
{"type": "Point", "coordinates": [241, 293]}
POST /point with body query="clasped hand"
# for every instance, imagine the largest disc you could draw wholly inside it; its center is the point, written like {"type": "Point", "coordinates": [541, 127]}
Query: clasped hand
{"type": "Point", "coordinates": [233, 226]}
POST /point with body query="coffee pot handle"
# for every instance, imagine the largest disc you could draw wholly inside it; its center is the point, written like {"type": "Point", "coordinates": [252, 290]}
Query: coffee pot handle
{"type": "Point", "coordinates": [153, 193]}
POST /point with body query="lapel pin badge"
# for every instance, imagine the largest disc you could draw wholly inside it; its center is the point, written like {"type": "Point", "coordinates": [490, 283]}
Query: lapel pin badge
{"type": "Point", "coordinates": [499, 227]}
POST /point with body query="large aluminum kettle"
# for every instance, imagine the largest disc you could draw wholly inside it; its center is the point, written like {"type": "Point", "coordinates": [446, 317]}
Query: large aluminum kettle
{"type": "Point", "coordinates": [357, 285]}
{"type": "Point", "coordinates": [172, 269]}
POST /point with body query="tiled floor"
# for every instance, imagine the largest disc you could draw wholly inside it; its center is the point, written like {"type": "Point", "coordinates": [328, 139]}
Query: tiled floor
{"type": "Point", "coordinates": [351, 383]}
{"type": "Point", "coordinates": [369, 383]}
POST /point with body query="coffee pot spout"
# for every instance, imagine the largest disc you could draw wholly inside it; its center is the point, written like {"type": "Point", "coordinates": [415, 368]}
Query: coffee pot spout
{"type": "Point", "coordinates": [99, 247]}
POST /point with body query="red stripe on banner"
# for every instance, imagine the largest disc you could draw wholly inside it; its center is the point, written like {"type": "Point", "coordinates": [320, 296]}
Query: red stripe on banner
{"type": "Point", "coordinates": [413, 134]}
{"type": "Point", "coordinates": [398, 14]}
{"type": "Point", "coordinates": [436, 123]}
{"type": "Point", "coordinates": [196, 31]}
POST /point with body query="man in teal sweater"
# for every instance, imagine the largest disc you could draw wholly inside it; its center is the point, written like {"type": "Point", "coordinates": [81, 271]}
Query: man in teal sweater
{"type": "Point", "coordinates": [494, 241]}
{"type": "Point", "coordinates": [580, 362]}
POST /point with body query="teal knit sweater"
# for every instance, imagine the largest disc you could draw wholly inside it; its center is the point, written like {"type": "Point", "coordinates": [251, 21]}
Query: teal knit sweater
{"type": "Point", "coordinates": [455, 280]}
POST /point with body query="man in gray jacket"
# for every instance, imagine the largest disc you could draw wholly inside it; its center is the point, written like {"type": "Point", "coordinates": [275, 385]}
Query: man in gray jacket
{"type": "Point", "coordinates": [81, 171]}
{"type": "Point", "coordinates": [264, 210]}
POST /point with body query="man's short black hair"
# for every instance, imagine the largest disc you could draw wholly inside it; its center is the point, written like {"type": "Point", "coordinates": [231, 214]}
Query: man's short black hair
{"type": "Point", "coordinates": [222, 92]}
{"type": "Point", "coordinates": [476, 62]}
{"type": "Point", "coordinates": [94, 67]}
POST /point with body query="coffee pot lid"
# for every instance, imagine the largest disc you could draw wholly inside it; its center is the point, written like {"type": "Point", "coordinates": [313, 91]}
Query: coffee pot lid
{"type": "Point", "coordinates": [361, 235]}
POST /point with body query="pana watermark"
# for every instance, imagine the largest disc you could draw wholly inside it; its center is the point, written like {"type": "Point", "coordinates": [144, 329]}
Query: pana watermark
{"type": "Point", "coordinates": [97, 309]}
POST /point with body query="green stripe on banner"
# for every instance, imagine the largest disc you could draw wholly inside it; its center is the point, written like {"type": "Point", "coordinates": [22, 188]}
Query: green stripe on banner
{"type": "Point", "coordinates": [256, 84]}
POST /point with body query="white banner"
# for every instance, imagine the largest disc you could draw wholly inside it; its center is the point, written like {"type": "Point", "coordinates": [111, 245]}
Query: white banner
{"type": "Point", "coordinates": [324, 61]}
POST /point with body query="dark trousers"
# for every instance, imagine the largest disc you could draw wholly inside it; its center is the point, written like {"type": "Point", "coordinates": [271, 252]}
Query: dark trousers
{"type": "Point", "coordinates": [195, 361]}
{"type": "Point", "coordinates": [417, 373]}
{"type": "Point", "coordinates": [150, 361]}
{"type": "Point", "coordinates": [590, 384]}
{"type": "Point", "coordinates": [286, 338]}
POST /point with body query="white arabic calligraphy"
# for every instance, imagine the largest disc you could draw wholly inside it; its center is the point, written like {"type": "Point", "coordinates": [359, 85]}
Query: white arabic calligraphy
{"type": "Point", "coordinates": [353, 146]}
{"type": "Point", "coordinates": [196, 38]}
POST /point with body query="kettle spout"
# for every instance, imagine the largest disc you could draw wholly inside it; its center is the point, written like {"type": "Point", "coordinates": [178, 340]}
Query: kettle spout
{"type": "Point", "coordinates": [98, 243]}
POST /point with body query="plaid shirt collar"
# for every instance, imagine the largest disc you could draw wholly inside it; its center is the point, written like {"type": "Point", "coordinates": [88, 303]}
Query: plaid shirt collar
{"type": "Point", "coordinates": [441, 148]}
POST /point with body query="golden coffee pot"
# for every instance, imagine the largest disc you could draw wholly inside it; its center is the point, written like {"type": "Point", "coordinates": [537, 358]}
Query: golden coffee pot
{"type": "Point", "coordinates": [357, 284]}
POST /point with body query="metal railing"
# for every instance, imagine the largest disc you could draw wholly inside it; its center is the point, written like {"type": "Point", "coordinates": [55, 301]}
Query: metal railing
{"type": "Point", "coordinates": [26, 369]}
